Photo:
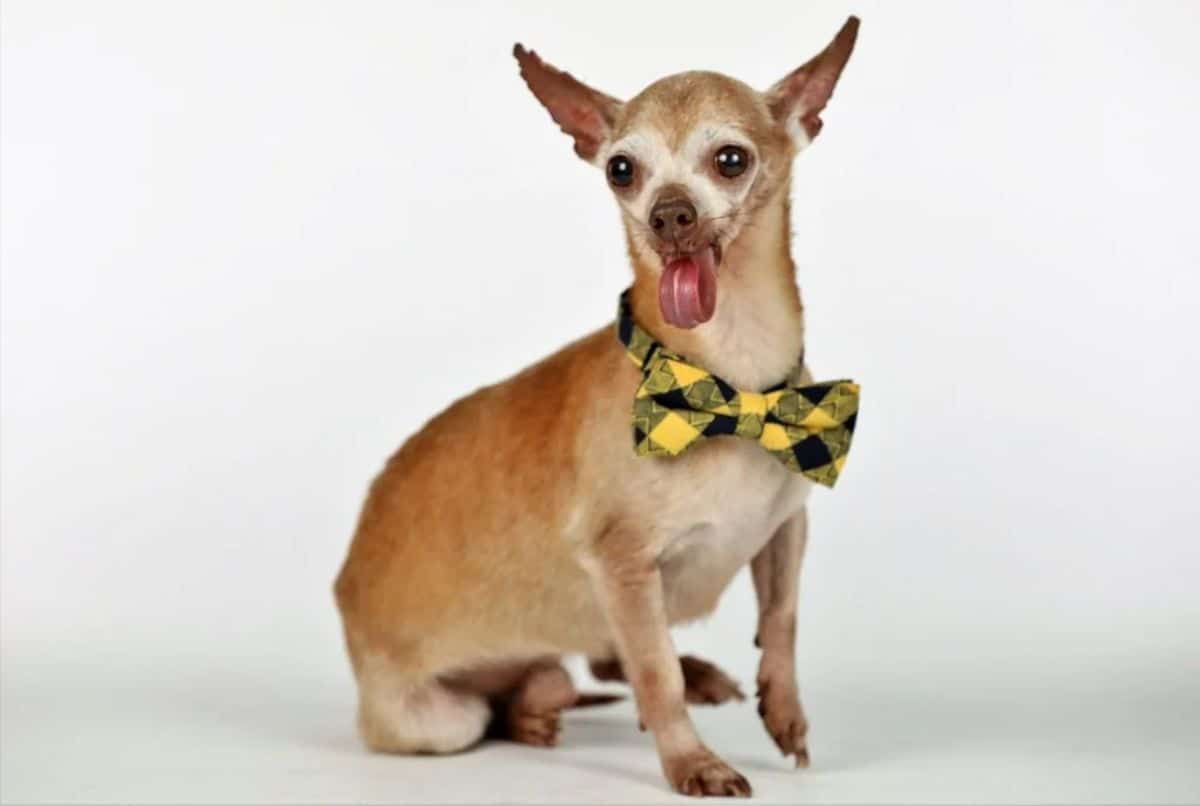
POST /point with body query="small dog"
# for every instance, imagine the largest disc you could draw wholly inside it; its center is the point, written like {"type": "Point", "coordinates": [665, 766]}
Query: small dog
{"type": "Point", "coordinates": [518, 525]}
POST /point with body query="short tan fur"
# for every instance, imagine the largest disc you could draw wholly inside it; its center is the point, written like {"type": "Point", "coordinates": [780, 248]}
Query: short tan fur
{"type": "Point", "coordinates": [518, 525]}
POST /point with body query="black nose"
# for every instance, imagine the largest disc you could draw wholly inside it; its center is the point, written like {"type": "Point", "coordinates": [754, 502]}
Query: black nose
{"type": "Point", "coordinates": [672, 219]}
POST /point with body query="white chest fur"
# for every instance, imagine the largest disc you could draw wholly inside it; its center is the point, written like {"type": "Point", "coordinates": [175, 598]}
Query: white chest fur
{"type": "Point", "coordinates": [720, 504]}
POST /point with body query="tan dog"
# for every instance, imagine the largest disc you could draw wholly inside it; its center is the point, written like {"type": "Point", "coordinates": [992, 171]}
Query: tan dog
{"type": "Point", "coordinates": [519, 525]}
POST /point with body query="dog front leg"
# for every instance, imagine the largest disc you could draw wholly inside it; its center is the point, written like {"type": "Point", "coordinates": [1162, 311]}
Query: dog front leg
{"type": "Point", "coordinates": [776, 572]}
{"type": "Point", "coordinates": [631, 594]}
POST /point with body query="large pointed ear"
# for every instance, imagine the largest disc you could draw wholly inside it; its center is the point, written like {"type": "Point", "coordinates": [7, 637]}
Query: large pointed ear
{"type": "Point", "coordinates": [580, 111]}
{"type": "Point", "coordinates": [799, 98]}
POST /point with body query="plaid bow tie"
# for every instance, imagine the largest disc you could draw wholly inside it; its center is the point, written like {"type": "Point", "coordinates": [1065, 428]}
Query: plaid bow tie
{"type": "Point", "coordinates": [678, 404]}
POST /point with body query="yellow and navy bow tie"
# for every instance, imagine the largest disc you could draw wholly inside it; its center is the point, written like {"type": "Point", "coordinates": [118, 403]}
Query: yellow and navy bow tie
{"type": "Point", "coordinates": [678, 405]}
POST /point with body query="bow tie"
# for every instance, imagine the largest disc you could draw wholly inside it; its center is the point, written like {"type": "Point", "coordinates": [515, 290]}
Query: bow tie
{"type": "Point", "coordinates": [678, 405]}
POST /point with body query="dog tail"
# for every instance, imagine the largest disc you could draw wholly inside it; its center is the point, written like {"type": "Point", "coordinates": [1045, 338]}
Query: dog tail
{"type": "Point", "coordinates": [593, 699]}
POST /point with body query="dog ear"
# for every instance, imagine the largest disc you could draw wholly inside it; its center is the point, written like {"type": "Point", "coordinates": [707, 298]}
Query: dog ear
{"type": "Point", "coordinates": [580, 111]}
{"type": "Point", "coordinates": [798, 99]}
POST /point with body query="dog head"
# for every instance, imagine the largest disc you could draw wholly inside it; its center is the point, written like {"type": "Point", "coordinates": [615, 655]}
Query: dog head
{"type": "Point", "coordinates": [692, 158]}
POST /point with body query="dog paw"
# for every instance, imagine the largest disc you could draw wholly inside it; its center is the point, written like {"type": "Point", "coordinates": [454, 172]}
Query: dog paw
{"type": "Point", "coordinates": [703, 774]}
{"type": "Point", "coordinates": [705, 684]}
{"type": "Point", "coordinates": [783, 717]}
{"type": "Point", "coordinates": [537, 729]}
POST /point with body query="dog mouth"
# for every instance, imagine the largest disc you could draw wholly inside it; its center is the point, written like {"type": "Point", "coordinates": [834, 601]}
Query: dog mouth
{"type": "Point", "coordinates": [687, 288]}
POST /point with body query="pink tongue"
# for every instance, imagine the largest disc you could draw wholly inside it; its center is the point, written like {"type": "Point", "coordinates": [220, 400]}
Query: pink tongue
{"type": "Point", "coordinates": [687, 290]}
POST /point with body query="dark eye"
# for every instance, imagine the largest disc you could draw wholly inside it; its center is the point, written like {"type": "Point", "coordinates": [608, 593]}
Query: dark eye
{"type": "Point", "coordinates": [732, 161]}
{"type": "Point", "coordinates": [620, 171]}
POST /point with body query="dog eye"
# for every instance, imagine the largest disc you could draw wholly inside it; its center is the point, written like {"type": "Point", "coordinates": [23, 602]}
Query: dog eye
{"type": "Point", "coordinates": [620, 171]}
{"type": "Point", "coordinates": [732, 161]}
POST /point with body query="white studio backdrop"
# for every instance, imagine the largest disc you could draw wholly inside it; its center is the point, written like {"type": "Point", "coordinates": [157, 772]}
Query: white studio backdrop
{"type": "Point", "coordinates": [247, 248]}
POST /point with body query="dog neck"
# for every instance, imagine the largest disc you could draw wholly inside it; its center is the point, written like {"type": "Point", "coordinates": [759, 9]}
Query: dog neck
{"type": "Point", "coordinates": [756, 335]}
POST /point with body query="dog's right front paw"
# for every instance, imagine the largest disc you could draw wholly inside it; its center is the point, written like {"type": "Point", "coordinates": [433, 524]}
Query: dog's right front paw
{"type": "Point", "coordinates": [703, 774]}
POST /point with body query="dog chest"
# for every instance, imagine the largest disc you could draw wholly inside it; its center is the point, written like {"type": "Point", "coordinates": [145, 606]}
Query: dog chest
{"type": "Point", "coordinates": [721, 508]}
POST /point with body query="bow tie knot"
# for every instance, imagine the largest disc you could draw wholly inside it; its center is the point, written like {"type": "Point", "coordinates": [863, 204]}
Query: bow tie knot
{"type": "Point", "coordinates": [808, 428]}
{"type": "Point", "coordinates": [752, 411]}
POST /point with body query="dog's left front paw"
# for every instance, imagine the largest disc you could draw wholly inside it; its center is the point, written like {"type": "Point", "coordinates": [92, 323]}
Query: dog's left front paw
{"type": "Point", "coordinates": [782, 715]}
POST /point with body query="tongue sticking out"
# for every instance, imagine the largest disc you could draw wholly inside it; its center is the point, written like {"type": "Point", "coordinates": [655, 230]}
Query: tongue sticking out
{"type": "Point", "coordinates": [687, 290]}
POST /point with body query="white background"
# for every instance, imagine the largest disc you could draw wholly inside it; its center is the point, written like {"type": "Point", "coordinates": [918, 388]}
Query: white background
{"type": "Point", "coordinates": [249, 247]}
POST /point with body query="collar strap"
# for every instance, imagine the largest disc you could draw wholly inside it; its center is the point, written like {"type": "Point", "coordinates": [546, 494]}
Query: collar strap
{"type": "Point", "coordinates": [641, 347]}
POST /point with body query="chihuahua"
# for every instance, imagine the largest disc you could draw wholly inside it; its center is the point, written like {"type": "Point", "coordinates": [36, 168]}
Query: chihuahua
{"type": "Point", "coordinates": [518, 526]}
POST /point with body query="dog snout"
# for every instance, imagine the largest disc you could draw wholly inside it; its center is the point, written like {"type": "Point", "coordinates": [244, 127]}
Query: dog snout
{"type": "Point", "coordinates": [673, 219]}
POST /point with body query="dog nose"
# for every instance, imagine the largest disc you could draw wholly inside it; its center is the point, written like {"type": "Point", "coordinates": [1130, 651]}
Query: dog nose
{"type": "Point", "coordinates": [672, 219]}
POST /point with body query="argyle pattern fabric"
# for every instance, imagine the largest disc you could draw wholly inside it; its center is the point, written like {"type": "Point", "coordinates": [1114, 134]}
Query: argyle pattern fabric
{"type": "Point", "coordinates": [678, 405]}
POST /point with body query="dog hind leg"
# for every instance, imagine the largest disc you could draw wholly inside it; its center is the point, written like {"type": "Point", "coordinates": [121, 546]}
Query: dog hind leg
{"type": "Point", "coordinates": [399, 715]}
